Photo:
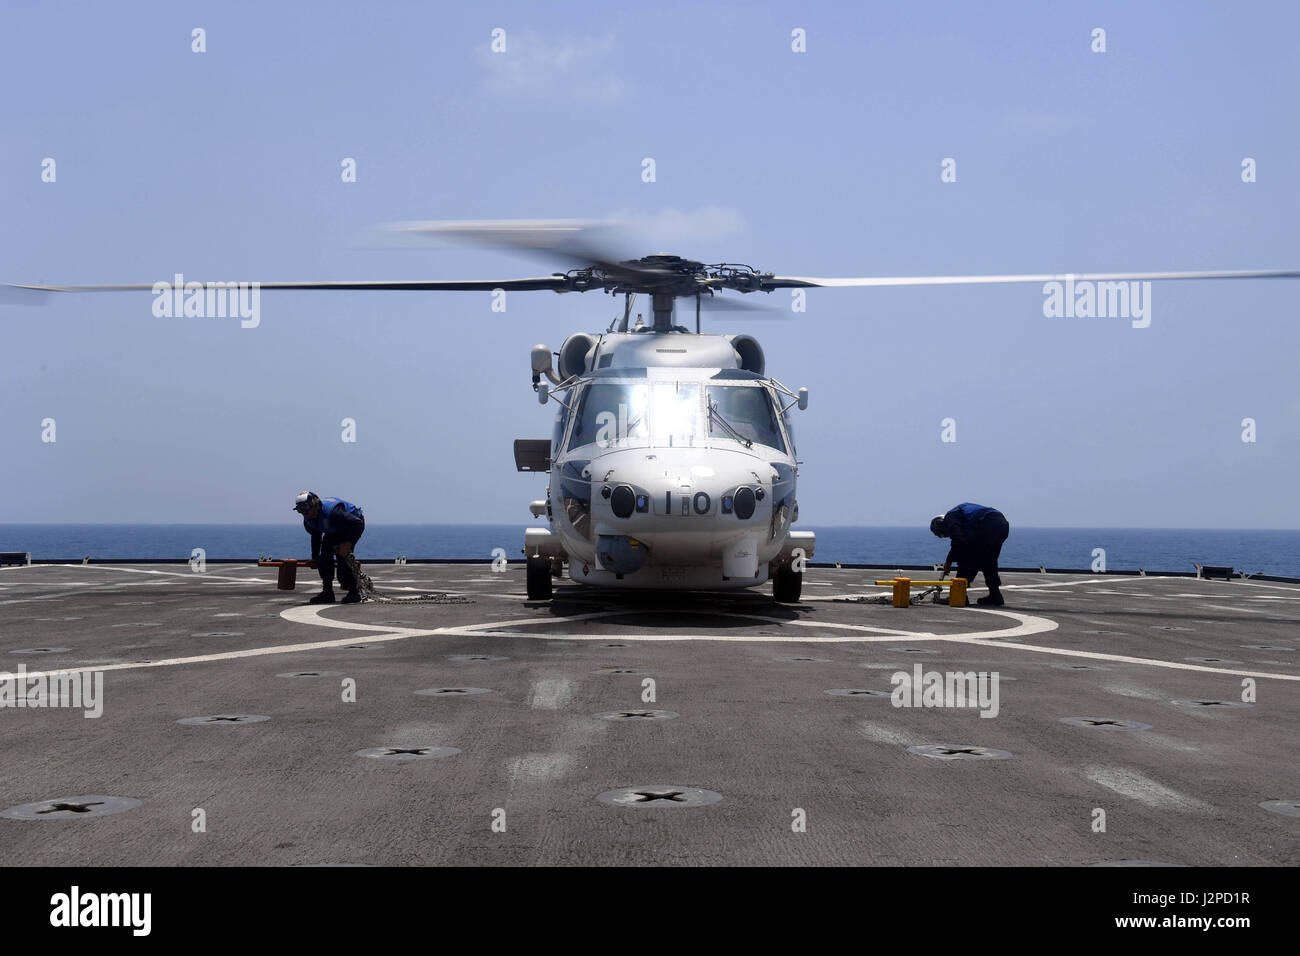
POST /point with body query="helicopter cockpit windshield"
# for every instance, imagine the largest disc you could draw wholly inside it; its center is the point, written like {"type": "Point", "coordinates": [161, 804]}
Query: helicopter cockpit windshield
{"type": "Point", "coordinates": [641, 413]}
{"type": "Point", "coordinates": [672, 414]}
{"type": "Point", "coordinates": [610, 413]}
{"type": "Point", "coordinates": [743, 413]}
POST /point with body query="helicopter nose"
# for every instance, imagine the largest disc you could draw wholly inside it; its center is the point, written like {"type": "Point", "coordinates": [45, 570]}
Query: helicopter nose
{"type": "Point", "coordinates": [680, 493]}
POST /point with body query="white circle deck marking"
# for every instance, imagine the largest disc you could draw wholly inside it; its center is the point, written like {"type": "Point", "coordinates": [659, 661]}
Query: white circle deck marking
{"type": "Point", "coordinates": [1026, 625]}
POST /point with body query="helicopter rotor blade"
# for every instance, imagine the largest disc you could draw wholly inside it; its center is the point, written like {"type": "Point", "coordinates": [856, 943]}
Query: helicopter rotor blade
{"type": "Point", "coordinates": [639, 273]}
{"type": "Point", "coordinates": [557, 283]}
{"type": "Point", "coordinates": [793, 282]}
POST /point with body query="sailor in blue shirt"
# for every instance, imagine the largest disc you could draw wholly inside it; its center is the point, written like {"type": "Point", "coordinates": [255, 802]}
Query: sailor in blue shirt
{"type": "Point", "coordinates": [977, 534]}
{"type": "Point", "coordinates": [334, 525]}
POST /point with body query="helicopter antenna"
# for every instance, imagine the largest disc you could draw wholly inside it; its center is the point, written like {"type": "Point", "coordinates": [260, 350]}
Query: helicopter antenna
{"type": "Point", "coordinates": [629, 298]}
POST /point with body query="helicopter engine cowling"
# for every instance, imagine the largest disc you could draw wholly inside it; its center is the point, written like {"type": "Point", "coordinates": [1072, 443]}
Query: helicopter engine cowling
{"type": "Point", "coordinates": [573, 354]}
{"type": "Point", "coordinates": [749, 353]}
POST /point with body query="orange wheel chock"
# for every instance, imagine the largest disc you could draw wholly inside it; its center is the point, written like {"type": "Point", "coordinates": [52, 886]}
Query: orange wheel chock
{"type": "Point", "coordinates": [903, 590]}
{"type": "Point", "coordinates": [957, 593]}
{"type": "Point", "coordinates": [288, 576]}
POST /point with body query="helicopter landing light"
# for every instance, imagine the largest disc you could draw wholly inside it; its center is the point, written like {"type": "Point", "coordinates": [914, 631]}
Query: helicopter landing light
{"type": "Point", "coordinates": [623, 501]}
{"type": "Point", "coordinates": [744, 503]}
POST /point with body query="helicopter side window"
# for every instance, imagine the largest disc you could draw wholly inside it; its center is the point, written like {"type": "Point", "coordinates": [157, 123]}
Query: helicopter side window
{"type": "Point", "coordinates": [610, 413]}
{"type": "Point", "coordinates": [557, 433]}
{"type": "Point", "coordinates": [789, 431]}
{"type": "Point", "coordinates": [745, 410]}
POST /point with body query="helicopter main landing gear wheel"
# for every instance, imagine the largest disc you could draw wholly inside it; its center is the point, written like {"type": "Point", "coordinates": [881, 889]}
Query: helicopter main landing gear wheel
{"type": "Point", "coordinates": [787, 584]}
{"type": "Point", "coordinates": [539, 579]}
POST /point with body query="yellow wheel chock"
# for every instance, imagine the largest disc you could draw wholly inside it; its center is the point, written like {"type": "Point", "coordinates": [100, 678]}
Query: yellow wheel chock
{"type": "Point", "coordinates": [903, 590]}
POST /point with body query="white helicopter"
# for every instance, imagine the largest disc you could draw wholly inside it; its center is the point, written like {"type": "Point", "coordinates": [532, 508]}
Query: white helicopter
{"type": "Point", "coordinates": [672, 460]}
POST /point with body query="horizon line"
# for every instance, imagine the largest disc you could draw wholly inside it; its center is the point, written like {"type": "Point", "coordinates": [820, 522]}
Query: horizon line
{"type": "Point", "coordinates": [473, 524]}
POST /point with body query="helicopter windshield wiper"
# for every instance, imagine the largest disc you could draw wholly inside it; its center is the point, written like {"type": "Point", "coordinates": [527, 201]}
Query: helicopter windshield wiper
{"type": "Point", "coordinates": [715, 415]}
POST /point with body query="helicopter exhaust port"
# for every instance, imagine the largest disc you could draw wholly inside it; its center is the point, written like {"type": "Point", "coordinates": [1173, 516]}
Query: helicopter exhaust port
{"type": "Point", "coordinates": [620, 554]}
{"type": "Point", "coordinates": [749, 354]}
{"type": "Point", "coordinates": [574, 355]}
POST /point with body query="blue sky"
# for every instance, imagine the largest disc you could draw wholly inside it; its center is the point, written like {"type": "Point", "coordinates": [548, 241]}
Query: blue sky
{"type": "Point", "coordinates": [225, 165]}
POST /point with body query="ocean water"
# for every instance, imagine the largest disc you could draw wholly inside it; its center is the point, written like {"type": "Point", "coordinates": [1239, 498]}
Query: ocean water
{"type": "Point", "coordinates": [1268, 552]}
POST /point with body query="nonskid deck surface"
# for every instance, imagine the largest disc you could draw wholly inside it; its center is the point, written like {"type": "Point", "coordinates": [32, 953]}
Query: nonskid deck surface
{"type": "Point", "coordinates": [547, 708]}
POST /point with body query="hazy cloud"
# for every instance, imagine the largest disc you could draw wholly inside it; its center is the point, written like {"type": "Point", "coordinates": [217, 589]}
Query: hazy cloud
{"type": "Point", "coordinates": [576, 68]}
